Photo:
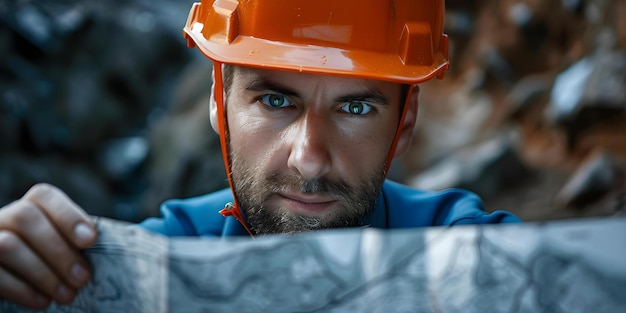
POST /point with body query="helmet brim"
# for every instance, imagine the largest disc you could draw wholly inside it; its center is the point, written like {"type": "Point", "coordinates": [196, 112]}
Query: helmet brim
{"type": "Point", "coordinates": [262, 53]}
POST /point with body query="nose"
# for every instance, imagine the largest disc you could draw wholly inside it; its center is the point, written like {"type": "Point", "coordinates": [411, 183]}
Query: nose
{"type": "Point", "coordinates": [310, 154]}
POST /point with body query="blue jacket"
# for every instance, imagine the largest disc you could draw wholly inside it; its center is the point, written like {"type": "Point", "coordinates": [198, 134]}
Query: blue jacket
{"type": "Point", "coordinates": [398, 206]}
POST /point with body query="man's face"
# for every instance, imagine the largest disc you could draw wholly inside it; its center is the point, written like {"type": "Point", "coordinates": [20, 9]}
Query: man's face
{"type": "Point", "coordinates": [308, 151]}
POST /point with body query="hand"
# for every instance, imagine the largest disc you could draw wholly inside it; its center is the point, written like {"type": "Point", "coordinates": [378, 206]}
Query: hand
{"type": "Point", "coordinates": [41, 236]}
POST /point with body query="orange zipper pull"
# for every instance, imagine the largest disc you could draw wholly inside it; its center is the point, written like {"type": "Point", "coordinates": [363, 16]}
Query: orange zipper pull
{"type": "Point", "coordinates": [232, 210]}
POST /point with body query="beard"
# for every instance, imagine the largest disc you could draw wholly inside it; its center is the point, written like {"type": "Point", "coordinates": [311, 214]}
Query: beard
{"type": "Point", "coordinates": [253, 190]}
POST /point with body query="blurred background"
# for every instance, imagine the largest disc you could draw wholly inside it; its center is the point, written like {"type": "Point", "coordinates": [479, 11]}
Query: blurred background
{"type": "Point", "coordinates": [104, 100]}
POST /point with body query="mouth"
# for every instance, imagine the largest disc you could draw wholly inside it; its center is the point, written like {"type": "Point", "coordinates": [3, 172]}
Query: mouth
{"type": "Point", "coordinates": [307, 204]}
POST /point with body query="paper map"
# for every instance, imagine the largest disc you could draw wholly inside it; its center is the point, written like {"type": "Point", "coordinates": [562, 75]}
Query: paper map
{"type": "Point", "coordinates": [566, 266]}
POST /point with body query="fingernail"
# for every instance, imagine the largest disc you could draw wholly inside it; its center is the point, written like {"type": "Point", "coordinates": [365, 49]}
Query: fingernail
{"type": "Point", "coordinates": [79, 273]}
{"type": "Point", "coordinates": [83, 232]}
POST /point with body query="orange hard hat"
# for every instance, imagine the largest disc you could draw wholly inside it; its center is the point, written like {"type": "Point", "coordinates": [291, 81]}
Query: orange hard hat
{"type": "Point", "coordinates": [394, 40]}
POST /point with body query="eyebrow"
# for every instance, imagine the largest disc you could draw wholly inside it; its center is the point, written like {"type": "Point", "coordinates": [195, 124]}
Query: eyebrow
{"type": "Point", "coordinates": [368, 95]}
{"type": "Point", "coordinates": [262, 84]}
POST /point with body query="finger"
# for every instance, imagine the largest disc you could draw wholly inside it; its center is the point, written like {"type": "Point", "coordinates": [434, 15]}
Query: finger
{"type": "Point", "coordinates": [40, 237]}
{"type": "Point", "coordinates": [17, 258]}
{"type": "Point", "coordinates": [18, 292]}
{"type": "Point", "coordinates": [66, 215]}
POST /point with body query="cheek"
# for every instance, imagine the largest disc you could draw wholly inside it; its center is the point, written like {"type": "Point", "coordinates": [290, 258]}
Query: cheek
{"type": "Point", "coordinates": [252, 140]}
{"type": "Point", "coordinates": [362, 149]}
{"type": "Point", "coordinates": [243, 130]}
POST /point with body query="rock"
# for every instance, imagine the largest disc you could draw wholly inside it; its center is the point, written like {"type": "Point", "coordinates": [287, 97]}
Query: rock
{"type": "Point", "coordinates": [606, 84]}
{"type": "Point", "coordinates": [527, 91]}
{"type": "Point", "coordinates": [594, 178]}
{"type": "Point", "coordinates": [121, 157]}
{"type": "Point", "coordinates": [590, 97]}
{"type": "Point", "coordinates": [486, 168]}
{"type": "Point", "coordinates": [568, 90]}
{"type": "Point", "coordinates": [597, 81]}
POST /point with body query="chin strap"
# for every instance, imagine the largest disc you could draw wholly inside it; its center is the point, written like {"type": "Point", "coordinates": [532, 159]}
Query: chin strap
{"type": "Point", "coordinates": [405, 108]}
{"type": "Point", "coordinates": [231, 208]}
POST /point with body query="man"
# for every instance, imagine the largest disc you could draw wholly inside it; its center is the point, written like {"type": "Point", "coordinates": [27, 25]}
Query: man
{"type": "Point", "coordinates": [312, 101]}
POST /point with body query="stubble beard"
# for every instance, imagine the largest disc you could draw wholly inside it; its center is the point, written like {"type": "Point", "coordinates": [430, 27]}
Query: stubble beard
{"type": "Point", "coordinates": [253, 189]}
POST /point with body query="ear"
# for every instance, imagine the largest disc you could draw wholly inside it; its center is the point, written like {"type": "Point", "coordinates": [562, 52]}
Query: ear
{"type": "Point", "coordinates": [406, 129]}
{"type": "Point", "coordinates": [213, 106]}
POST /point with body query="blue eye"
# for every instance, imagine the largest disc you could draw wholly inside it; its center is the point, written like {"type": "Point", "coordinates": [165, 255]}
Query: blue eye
{"type": "Point", "coordinates": [356, 108]}
{"type": "Point", "coordinates": [275, 101]}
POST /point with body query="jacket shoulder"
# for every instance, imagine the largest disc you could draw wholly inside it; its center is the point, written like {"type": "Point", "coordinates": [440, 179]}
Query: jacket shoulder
{"type": "Point", "coordinates": [409, 207]}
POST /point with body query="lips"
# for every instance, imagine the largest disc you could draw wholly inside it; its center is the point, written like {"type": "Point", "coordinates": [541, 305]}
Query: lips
{"type": "Point", "coordinates": [308, 204]}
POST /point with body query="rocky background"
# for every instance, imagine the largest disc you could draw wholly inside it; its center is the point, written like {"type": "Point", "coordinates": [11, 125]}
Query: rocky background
{"type": "Point", "coordinates": [104, 100]}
